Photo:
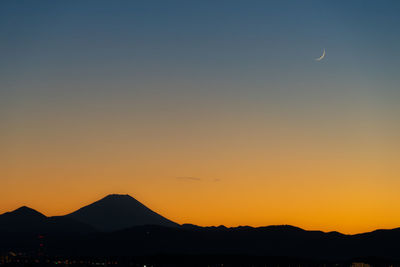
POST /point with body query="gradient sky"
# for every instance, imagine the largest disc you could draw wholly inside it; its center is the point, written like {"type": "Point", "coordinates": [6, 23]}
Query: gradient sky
{"type": "Point", "coordinates": [208, 112]}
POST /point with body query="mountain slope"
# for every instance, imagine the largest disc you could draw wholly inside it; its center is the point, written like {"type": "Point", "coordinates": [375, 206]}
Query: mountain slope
{"type": "Point", "coordinates": [116, 212]}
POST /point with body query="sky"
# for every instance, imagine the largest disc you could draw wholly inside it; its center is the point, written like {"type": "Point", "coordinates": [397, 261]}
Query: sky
{"type": "Point", "coordinates": [208, 112]}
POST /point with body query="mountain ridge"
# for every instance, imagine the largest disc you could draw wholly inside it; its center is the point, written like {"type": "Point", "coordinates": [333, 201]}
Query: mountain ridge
{"type": "Point", "coordinates": [24, 211]}
{"type": "Point", "coordinates": [67, 236]}
{"type": "Point", "coordinates": [27, 211]}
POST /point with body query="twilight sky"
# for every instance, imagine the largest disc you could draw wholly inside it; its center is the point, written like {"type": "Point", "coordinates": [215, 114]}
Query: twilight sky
{"type": "Point", "coordinates": [208, 112]}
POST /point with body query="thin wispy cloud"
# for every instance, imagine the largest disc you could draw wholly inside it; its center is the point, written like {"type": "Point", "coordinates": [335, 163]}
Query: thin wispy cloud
{"type": "Point", "coordinates": [189, 178]}
{"type": "Point", "coordinates": [197, 179]}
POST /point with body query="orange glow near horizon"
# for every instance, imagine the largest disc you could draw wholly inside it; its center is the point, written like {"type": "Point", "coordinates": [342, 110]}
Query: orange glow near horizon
{"type": "Point", "coordinates": [313, 180]}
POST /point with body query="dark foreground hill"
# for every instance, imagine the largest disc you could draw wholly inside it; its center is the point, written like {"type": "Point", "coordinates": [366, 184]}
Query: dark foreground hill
{"type": "Point", "coordinates": [269, 242]}
{"type": "Point", "coordinates": [273, 241]}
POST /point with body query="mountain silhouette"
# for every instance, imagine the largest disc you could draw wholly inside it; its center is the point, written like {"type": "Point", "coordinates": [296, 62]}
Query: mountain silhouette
{"type": "Point", "coordinates": [27, 220]}
{"type": "Point", "coordinates": [119, 225]}
{"type": "Point", "coordinates": [23, 219]}
{"type": "Point", "coordinates": [24, 211]}
{"type": "Point", "coordinates": [115, 212]}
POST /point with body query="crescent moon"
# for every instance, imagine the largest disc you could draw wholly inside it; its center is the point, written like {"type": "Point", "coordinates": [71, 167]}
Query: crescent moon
{"type": "Point", "coordinates": [321, 57]}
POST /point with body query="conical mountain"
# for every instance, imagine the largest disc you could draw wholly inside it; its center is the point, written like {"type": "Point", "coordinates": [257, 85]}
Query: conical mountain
{"type": "Point", "coordinates": [117, 212]}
